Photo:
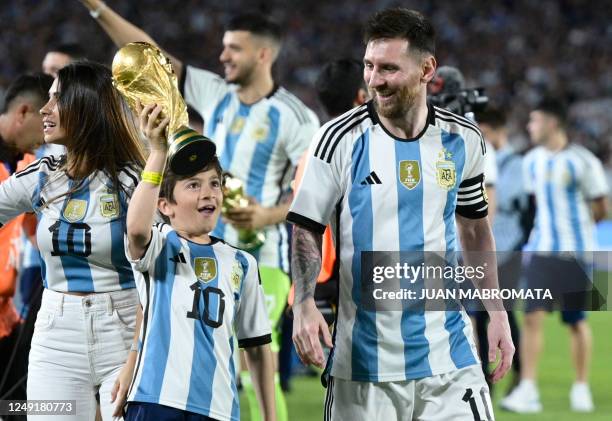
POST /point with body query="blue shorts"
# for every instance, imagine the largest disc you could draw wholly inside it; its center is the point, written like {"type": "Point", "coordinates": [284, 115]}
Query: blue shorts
{"type": "Point", "coordinates": [145, 411]}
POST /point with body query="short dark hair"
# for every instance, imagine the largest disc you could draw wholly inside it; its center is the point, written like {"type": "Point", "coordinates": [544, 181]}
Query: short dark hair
{"type": "Point", "coordinates": [257, 24]}
{"type": "Point", "coordinates": [74, 51]}
{"type": "Point", "coordinates": [35, 85]}
{"type": "Point", "coordinates": [170, 178]}
{"type": "Point", "coordinates": [403, 23]}
{"type": "Point", "coordinates": [555, 107]}
{"type": "Point", "coordinates": [338, 85]}
{"type": "Point", "coordinates": [494, 117]}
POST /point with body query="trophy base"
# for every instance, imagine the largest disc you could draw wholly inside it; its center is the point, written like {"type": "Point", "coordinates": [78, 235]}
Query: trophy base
{"type": "Point", "coordinates": [250, 241]}
{"type": "Point", "coordinates": [189, 151]}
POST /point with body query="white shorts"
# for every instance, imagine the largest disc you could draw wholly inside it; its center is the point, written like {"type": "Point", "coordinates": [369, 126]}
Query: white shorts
{"type": "Point", "coordinates": [459, 395]}
{"type": "Point", "coordinates": [79, 346]}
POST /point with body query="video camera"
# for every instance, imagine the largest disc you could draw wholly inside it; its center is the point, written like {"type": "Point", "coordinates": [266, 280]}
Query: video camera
{"type": "Point", "coordinates": [447, 91]}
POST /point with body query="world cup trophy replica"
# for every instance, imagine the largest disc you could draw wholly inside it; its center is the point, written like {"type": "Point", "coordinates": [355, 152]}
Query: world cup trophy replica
{"type": "Point", "coordinates": [234, 197]}
{"type": "Point", "coordinates": [141, 72]}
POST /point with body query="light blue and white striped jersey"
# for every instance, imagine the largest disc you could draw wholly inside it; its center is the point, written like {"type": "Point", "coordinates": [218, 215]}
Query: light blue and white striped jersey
{"type": "Point", "coordinates": [194, 298]}
{"type": "Point", "coordinates": [563, 183]}
{"type": "Point", "coordinates": [259, 143]}
{"type": "Point", "coordinates": [512, 201]}
{"type": "Point", "coordinates": [383, 193]}
{"type": "Point", "coordinates": [80, 236]}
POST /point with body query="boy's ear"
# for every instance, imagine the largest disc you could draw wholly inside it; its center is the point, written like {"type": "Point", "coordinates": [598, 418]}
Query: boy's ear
{"type": "Point", "coordinates": [164, 207]}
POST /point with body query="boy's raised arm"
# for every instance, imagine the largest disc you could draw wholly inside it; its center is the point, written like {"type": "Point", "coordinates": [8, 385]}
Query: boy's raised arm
{"type": "Point", "coordinates": [143, 204]}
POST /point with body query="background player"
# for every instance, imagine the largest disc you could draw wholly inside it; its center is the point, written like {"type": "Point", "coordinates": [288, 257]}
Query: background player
{"type": "Point", "coordinates": [570, 191]}
{"type": "Point", "coordinates": [384, 363]}
{"type": "Point", "coordinates": [60, 56]}
{"type": "Point", "coordinates": [196, 291]}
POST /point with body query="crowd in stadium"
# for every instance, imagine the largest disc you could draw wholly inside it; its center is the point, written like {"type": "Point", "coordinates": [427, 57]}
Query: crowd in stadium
{"type": "Point", "coordinates": [497, 44]}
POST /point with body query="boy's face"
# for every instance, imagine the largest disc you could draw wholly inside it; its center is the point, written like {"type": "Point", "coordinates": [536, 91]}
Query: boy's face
{"type": "Point", "coordinates": [197, 204]}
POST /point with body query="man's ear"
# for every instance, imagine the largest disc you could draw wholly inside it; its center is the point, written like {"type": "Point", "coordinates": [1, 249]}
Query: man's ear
{"type": "Point", "coordinates": [361, 98]}
{"type": "Point", "coordinates": [21, 112]}
{"type": "Point", "coordinates": [428, 68]}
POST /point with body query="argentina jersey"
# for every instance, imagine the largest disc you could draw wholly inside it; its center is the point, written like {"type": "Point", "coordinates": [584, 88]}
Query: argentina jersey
{"type": "Point", "coordinates": [260, 144]}
{"type": "Point", "coordinates": [79, 235]}
{"type": "Point", "coordinates": [563, 183]}
{"type": "Point", "coordinates": [194, 298]}
{"type": "Point", "coordinates": [383, 193]}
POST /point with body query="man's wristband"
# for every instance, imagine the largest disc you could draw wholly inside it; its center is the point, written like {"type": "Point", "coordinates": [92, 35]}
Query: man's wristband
{"type": "Point", "coordinates": [134, 347]}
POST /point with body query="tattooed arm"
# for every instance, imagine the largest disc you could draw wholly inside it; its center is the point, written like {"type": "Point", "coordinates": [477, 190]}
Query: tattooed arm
{"type": "Point", "coordinates": [308, 321]}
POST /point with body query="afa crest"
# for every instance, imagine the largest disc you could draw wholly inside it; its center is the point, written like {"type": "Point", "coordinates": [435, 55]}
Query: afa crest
{"type": "Point", "coordinates": [205, 268]}
{"type": "Point", "coordinates": [237, 125]}
{"type": "Point", "coordinates": [260, 134]}
{"type": "Point", "coordinates": [109, 206]}
{"type": "Point", "coordinates": [236, 277]}
{"type": "Point", "coordinates": [75, 210]}
{"type": "Point", "coordinates": [445, 170]}
{"type": "Point", "coordinates": [409, 174]}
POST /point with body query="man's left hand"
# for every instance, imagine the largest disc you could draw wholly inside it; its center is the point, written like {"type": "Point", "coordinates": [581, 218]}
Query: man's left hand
{"type": "Point", "coordinates": [500, 338]}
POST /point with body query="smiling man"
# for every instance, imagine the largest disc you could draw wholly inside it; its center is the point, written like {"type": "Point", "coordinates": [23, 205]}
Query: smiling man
{"type": "Point", "coordinates": [394, 175]}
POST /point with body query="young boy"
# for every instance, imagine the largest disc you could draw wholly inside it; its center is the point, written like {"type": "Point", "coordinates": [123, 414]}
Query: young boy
{"type": "Point", "coordinates": [195, 291]}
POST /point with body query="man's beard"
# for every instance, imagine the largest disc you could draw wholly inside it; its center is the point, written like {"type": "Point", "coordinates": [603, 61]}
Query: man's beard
{"type": "Point", "coordinates": [243, 75]}
{"type": "Point", "coordinates": [403, 101]}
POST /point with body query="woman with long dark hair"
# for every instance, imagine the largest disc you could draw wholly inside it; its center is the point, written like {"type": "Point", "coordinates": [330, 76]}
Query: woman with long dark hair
{"type": "Point", "coordinates": [85, 326]}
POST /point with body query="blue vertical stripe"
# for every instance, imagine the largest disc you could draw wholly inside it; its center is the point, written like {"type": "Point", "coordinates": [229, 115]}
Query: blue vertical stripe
{"type": "Point", "coordinates": [460, 350]}
{"type": "Point", "coordinates": [76, 268]}
{"type": "Point", "coordinates": [118, 259]}
{"type": "Point", "coordinates": [217, 116]}
{"type": "Point", "coordinates": [550, 204]}
{"type": "Point", "coordinates": [204, 361]}
{"type": "Point", "coordinates": [157, 345]}
{"type": "Point", "coordinates": [572, 200]}
{"type": "Point", "coordinates": [235, 402]}
{"type": "Point", "coordinates": [229, 144]}
{"type": "Point", "coordinates": [42, 180]}
{"type": "Point", "coordinates": [233, 137]}
{"type": "Point", "coordinates": [261, 157]}
{"type": "Point", "coordinates": [412, 238]}
{"type": "Point", "coordinates": [454, 144]}
{"type": "Point", "coordinates": [364, 360]}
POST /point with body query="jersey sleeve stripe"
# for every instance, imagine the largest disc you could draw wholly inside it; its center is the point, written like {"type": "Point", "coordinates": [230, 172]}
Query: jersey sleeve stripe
{"type": "Point", "coordinates": [305, 222]}
{"type": "Point", "coordinates": [292, 103]}
{"type": "Point", "coordinates": [51, 162]}
{"type": "Point", "coordinates": [464, 122]}
{"type": "Point", "coordinates": [341, 135]}
{"type": "Point", "coordinates": [132, 175]}
{"type": "Point", "coordinates": [459, 119]}
{"type": "Point", "coordinates": [257, 341]}
{"type": "Point", "coordinates": [333, 127]}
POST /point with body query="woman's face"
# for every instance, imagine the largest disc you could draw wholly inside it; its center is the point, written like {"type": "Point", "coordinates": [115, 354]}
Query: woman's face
{"type": "Point", "coordinates": [52, 129]}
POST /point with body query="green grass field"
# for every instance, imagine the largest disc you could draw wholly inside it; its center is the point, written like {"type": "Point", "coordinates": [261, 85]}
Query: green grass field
{"type": "Point", "coordinates": [305, 400]}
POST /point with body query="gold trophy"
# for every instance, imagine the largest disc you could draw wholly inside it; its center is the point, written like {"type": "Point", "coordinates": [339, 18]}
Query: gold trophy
{"type": "Point", "coordinates": [141, 72]}
{"type": "Point", "coordinates": [234, 197]}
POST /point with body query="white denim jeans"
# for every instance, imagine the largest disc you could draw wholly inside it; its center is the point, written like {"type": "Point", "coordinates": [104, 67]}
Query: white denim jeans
{"type": "Point", "coordinates": [78, 348]}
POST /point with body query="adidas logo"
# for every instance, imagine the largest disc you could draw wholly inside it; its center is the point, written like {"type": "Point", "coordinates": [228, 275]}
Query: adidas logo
{"type": "Point", "coordinates": [179, 258]}
{"type": "Point", "coordinates": [371, 179]}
